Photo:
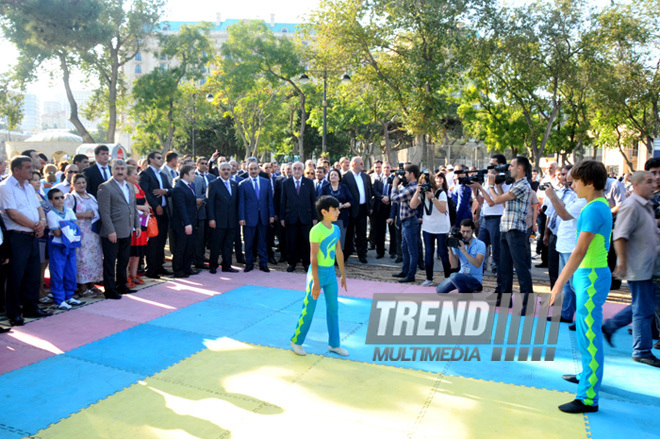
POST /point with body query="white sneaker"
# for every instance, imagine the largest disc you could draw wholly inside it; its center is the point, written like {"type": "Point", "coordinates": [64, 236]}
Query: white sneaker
{"type": "Point", "coordinates": [339, 351]}
{"type": "Point", "coordinates": [74, 302]}
{"type": "Point", "coordinates": [299, 350]}
{"type": "Point", "coordinates": [64, 306]}
{"type": "Point", "coordinates": [427, 283]}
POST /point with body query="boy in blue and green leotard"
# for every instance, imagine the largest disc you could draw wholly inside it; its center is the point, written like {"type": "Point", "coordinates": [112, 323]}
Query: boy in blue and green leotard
{"type": "Point", "coordinates": [325, 248]}
{"type": "Point", "coordinates": [591, 280]}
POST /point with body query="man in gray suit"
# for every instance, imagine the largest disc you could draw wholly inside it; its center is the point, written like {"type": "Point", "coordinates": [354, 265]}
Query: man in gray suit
{"type": "Point", "coordinates": [119, 219]}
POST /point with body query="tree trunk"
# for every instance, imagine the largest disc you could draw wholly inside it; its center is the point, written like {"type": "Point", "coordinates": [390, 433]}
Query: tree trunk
{"type": "Point", "coordinates": [87, 138]}
{"type": "Point", "coordinates": [303, 121]}
{"type": "Point", "coordinates": [112, 97]}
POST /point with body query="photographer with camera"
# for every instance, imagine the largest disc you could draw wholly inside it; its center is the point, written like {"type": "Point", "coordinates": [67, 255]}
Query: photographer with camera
{"type": "Point", "coordinates": [471, 253]}
{"type": "Point", "coordinates": [513, 230]}
{"type": "Point", "coordinates": [462, 194]}
{"type": "Point", "coordinates": [435, 221]}
{"type": "Point", "coordinates": [409, 222]}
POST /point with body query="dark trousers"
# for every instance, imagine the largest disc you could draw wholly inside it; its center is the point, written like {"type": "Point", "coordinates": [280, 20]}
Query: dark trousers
{"type": "Point", "coordinates": [393, 239]}
{"type": "Point", "coordinates": [238, 244]}
{"type": "Point", "coordinates": [513, 253]}
{"type": "Point", "coordinates": [156, 246]}
{"type": "Point", "coordinates": [23, 280]}
{"type": "Point", "coordinates": [201, 238]}
{"type": "Point", "coordinates": [270, 240]}
{"type": "Point", "coordinates": [297, 243]}
{"type": "Point", "coordinates": [281, 240]}
{"type": "Point", "coordinates": [553, 259]}
{"type": "Point", "coordinates": [399, 238]}
{"type": "Point", "coordinates": [379, 227]}
{"type": "Point", "coordinates": [222, 240]}
{"type": "Point", "coordinates": [115, 261]}
{"type": "Point", "coordinates": [255, 236]}
{"type": "Point", "coordinates": [540, 247]}
{"type": "Point", "coordinates": [429, 244]}
{"type": "Point", "coordinates": [184, 246]}
{"type": "Point", "coordinates": [357, 233]}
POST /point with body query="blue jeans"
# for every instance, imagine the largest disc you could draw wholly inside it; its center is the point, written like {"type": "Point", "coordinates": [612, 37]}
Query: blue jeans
{"type": "Point", "coordinates": [513, 253]}
{"type": "Point", "coordinates": [489, 233]}
{"type": "Point", "coordinates": [640, 314]}
{"type": "Point", "coordinates": [568, 305]}
{"type": "Point", "coordinates": [464, 283]}
{"type": "Point", "coordinates": [409, 238]}
{"type": "Point", "coordinates": [429, 246]}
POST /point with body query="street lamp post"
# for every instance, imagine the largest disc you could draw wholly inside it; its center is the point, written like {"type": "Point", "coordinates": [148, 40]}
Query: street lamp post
{"type": "Point", "coordinates": [193, 124]}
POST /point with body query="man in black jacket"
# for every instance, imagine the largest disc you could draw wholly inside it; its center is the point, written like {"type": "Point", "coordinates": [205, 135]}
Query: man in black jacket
{"type": "Point", "coordinates": [222, 207]}
{"type": "Point", "coordinates": [100, 172]}
{"type": "Point", "coordinates": [184, 222]}
{"type": "Point", "coordinates": [360, 186]}
{"type": "Point", "coordinates": [297, 216]}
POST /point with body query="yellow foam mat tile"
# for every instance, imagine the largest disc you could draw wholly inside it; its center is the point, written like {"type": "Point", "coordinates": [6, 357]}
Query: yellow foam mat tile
{"type": "Point", "coordinates": [237, 390]}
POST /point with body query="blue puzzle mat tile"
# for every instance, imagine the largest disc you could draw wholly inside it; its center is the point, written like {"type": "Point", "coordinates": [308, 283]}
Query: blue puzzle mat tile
{"type": "Point", "coordinates": [134, 349]}
{"type": "Point", "coordinates": [68, 385]}
{"type": "Point", "coordinates": [624, 379]}
{"type": "Point", "coordinates": [619, 419]}
{"type": "Point", "coordinates": [212, 318]}
{"type": "Point", "coordinates": [250, 296]}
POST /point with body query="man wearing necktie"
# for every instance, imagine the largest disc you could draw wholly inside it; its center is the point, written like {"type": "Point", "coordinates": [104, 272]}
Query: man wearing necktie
{"type": "Point", "coordinates": [320, 181]}
{"type": "Point", "coordinates": [255, 213]}
{"type": "Point", "coordinates": [381, 190]}
{"type": "Point", "coordinates": [202, 180]}
{"type": "Point", "coordinates": [100, 172]}
{"type": "Point", "coordinates": [565, 194]}
{"type": "Point", "coordinates": [184, 222]}
{"type": "Point", "coordinates": [222, 211]}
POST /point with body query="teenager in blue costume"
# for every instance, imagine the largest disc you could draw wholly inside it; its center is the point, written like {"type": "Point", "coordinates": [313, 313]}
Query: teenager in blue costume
{"type": "Point", "coordinates": [591, 280]}
{"type": "Point", "coordinates": [325, 248]}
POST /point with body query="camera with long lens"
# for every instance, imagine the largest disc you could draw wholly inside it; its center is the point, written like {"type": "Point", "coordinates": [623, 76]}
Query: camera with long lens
{"type": "Point", "coordinates": [544, 186]}
{"type": "Point", "coordinates": [401, 173]}
{"type": "Point", "coordinates": [503, 174]}
{"type": "Point", "coordinates": [454, 238]}
{"type": "Point", "coordinates": [471, 176]}
{"type": "Point", "coordinates": [425, 187]}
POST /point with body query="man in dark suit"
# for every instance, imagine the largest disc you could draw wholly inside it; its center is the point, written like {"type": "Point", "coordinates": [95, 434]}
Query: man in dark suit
{"type": "Point", "coordinates": [255, 212]}
{"type": "Point", "coordinates": [381, 190]}
{"type": "Point", "coordinates": [359, 184]}
{"type": "Point", "coordinates": [277, 198]}
{"type": "Point", "coordinates": [184, 222]}
{"type": "Point", "coordinates": [238, 242]}
{"type": "Point", "coordinates": [118, 221]}
{"type": "Point", "coordinates": [222, 211]}
{"type": "Point", "coordinates": [100, 172]}
{"type": "Point", "coordinates": [297, 216]}
{"type": "Point", "coordinates": [157, 189]}
{"type": "Point", "coordinates": [320, 181]}
{"type": "Point", "coordinates": [202, 180]}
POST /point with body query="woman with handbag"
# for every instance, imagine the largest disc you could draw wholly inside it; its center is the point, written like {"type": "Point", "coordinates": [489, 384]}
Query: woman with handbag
{"type": "Point", "coordinates": [89, 258]}
{"type": "Point", "coordinates": [138, 244]}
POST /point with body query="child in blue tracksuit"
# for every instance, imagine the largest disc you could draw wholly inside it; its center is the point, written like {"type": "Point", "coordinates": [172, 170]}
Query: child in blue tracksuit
{"type": "Point", "coordinates": [325, 246]}
{"type": "Point", "coordinates": [62, 263]}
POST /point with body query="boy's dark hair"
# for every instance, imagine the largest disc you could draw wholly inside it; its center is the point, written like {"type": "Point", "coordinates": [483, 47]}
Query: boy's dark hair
{"type": "Point", "coordinates": [79, 158]}
{"type": "Point", "coordinates": [524, 162]}
{"type": "Point", "coordinates": [467, 222]}
{"type": "Point", "coordinates": [171, 155]}
{"type": "Point", "coordinates": [185, 169]}
{"type": "Point", "coordinates": [653, 162]}
{"type": "Point", "coordinates": [414, 170]}
{"type": "Point", "coordinates": [52, 192]}
{"type": "Point", "coordinates": [590, 172]}
{"type": "Point", "coordinates": [325, 203]}
{"type": "Point", "coordinates": [100, 149]}
{"type": "Point", "coordinates": [501, 160]}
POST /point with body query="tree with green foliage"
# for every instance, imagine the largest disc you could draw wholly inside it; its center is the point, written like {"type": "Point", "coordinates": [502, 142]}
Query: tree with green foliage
{"type": "Point", "coordinates": [11, 105]}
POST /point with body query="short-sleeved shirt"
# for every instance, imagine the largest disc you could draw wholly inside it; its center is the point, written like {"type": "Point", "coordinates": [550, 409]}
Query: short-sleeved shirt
{"type": "Point", "coordinates": [567, 229]}
{"type": "Point", "coordinates": [516, 210]}
{"type": "Point", "coordinates": [21, 198]}
{"type": "Point", "coordinates": [327, 240]}
{"type": "Point", "coordinates": [435, 222]}
{"type": "Point", "coordinates": [476, 248]}
{"type": "Point", "coordinates": [635, 222]}
{"type": "Point", "coordinates": [54, 217]}
{"type": "Point", "coordinates": [596, 218]}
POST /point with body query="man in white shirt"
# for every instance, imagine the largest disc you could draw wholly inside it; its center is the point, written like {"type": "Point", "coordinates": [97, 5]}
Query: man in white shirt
{"type": "Point", "coordinates": [564, 194]}
{"type": "Point", "coordinates": [25, 222]}
{"type": "Point", "coordinates": [65, 186]}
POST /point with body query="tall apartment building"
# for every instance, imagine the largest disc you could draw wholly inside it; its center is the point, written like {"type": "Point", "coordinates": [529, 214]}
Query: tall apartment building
{"type": "Point", "coordinates": [31, 113]}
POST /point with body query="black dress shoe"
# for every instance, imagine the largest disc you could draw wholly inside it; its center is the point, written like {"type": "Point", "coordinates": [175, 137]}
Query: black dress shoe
{"type": "Point", "coordinates": [112, 295]}
{"type": "Point", "coordinates": [181, 276]}
{"type": "Point", "coordinates": [165, 272]}
{"type": "Point", "coordinates": [561, 320]}
{"type": "Point", "coordinates": [202, 266]}
{"type": "Point", "coordinates": [607, 336]}
{"type": "Point", "coordinates": [572, 327]}
{"type": "Point", "coordinates": [230, 270]}
{"type": "Point", "coordinates": [398, 260]}
{"type": "Point", "coordinates": [399, 275]}
{"type": "Point", "coordinates": [248, 269]}
{"type": "Point", "coordinates": [126, 291]}
{"type": "Point", "coordinates": [380, 256]}
{"type": "Point", "coordinates": [192, 272]}
{"type": "Point", "coordinates": [3, 330]}
{"type": "Point", "coordinates": [577, 406]}
{"type": "Point", "coordinates": [17, 321]}
{"type": "Point", "coordinates": [214, 270]}
{"type": "Point", "coordinates": [290, 268]}
{"type": "Point", "coordinates": [392, 256]}
{"type": "Point", "coordinates": [240, 260]}
{"type": "Point", "coordinates": [36, 314]}
{"type": "Point", "coordinates": [272, 260]}
{"type": "Point", "coordinates": [651, 361]}
{"type": "Point", "coordinates": [571, 379]}
{"type": "Point", "coordinates": [153, 276]}
{"type": "Point", "coordinates": [542, 266]}
{"type": "Point", "coordinates": [265, 269]}
{"type": "Point", "coordinates": [406, 280]}
{"type": "Point", "coordinates": [363, 260]}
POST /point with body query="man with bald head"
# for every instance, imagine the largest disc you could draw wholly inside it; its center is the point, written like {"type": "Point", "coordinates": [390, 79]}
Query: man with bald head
{"type": "Point", "coordinates": [69, 172]}
{"type": "Point", "coordinates": [297, 216]}
{"type": "Point", "coordinates": [359, 184]}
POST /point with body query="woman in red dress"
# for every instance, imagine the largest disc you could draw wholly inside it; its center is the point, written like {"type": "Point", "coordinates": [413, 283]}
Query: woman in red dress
{"type": "Point", "coordinates": [138, 245]}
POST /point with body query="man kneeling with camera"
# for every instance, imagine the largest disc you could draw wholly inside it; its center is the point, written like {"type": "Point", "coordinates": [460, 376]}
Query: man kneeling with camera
{"type": "Point", "coordinates": [471, 253]}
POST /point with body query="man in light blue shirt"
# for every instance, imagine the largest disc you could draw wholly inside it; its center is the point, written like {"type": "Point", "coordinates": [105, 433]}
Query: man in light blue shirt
{"type": "Point", "coordinates": [471, 253]}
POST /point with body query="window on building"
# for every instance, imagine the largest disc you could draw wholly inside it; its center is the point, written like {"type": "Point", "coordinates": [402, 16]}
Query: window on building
{"type": "Point", "coordinates": [138, 69]}
{"type": "Point", "coordinates": [138, 56]}
{"type": "Point", "coordinates": [285, 30]}
{"type": "Point", "coordinates": [163, 57]}
{"type": "Point", "coordinates": [163, 67]}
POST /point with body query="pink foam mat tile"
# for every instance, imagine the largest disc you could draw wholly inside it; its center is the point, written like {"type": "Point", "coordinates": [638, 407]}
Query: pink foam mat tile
{"type": "Point", "coordinates": [68, 330]}
{"type": "Point", "coordinates": [134, 308]}
{"type": "Point", "coordinates": [15, 353]}
{"type": "Point", "coordinates": [184, 292]}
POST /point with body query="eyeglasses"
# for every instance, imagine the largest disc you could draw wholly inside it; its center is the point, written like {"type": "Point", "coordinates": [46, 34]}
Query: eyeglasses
{"type": "Point", "coordinates": [159, 157]}
{"type": "Point", "coordinates": [70, 172]}
{"type": "Point", "coordinates": [58, 198]}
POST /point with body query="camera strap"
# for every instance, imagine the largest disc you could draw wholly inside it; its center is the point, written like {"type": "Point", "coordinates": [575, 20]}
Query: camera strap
{"type": "Point", "coordinates": [429, 208]}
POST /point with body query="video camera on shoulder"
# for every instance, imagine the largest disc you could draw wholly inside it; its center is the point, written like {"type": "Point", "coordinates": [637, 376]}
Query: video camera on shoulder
{"type": "Point", "coordinates": [454, 238]}
{"type": "Point", "coordinates": [471, 176]}
{"type": "Point", "coordinates": [401, 173]}
{"type": "Point", "coordinates": [503, 174]}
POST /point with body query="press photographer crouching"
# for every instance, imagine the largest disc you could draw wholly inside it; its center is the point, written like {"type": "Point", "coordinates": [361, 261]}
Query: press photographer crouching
{"type": "Point", "coordinates": [471, 253]}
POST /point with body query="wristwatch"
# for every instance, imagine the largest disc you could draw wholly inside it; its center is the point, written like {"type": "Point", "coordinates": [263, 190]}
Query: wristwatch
{"type": "Point", "coordinates": [492, 186]}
